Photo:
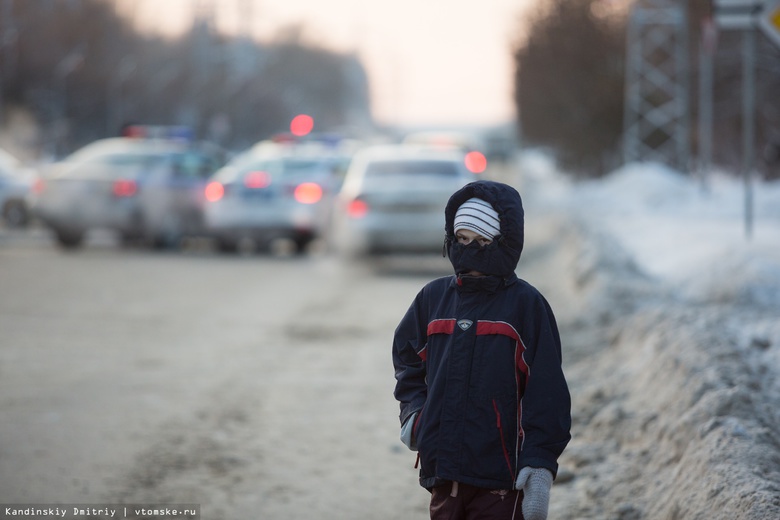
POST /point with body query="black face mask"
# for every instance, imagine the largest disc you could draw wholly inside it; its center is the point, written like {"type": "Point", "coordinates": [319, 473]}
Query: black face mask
{"type": "Point", "coordinates": [472, 256]}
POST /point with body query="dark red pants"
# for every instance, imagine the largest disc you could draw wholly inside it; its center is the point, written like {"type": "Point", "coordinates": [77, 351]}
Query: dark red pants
{"type": "Point", "coordinates": [473, 503]}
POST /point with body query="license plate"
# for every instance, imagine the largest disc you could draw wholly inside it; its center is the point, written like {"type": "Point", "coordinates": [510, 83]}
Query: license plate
{"type": "Point", "coordinates": [258, 194]}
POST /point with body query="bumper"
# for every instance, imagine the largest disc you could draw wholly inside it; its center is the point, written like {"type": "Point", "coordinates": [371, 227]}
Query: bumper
{"type": "Point", "coordinates": [400, 234]}
{"type": "Point", "coordinates": [233, 221]}
{"type": "Point", "coordinates": [118, 215]}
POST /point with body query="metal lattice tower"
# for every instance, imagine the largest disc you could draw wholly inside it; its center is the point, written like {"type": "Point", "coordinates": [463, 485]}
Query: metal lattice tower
{"type": "Point", "coordinates": [656, 116]}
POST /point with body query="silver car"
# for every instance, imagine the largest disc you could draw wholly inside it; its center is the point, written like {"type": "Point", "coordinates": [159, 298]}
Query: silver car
{"type": "Point", "coordinates": [274, 192]}
{"type": "Point", "coordinates": [143, 188]}
{"type": "Point", "coordinates": [393, 199]}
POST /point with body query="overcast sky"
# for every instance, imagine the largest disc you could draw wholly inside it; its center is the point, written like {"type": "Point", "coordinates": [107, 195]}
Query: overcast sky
{"type": "Point", "coordinates": [430, 62]}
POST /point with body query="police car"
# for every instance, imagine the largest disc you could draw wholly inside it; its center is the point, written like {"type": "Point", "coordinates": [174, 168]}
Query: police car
{"type": "Point", "coordinates": [147, 185]}
{"type": "Point", "coordinates": [393, 199]}
{"type": "Point", "coordinates": [275, 191]}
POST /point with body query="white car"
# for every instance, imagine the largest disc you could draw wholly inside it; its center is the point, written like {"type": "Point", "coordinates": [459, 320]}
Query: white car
{"type": "Point", "coordinates": [393, 199]}
{"type": "Point", "coordinates": [148, 187]}
{"type": "Point", "coordinates": [273, 191]}
{"type": "Point", "coordinates": [16, 182]}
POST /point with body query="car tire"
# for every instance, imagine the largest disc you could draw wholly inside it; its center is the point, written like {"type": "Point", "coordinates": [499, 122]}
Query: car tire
{"type": "Point", "coordinates": [165, 242]}
{"type": "Point", "coordinates": [133, 235]}
{"type": "Point", "coordinates": [130, 238]}
{"type": "Point", "coordinates": [225, 245]}
{"type": "Point", "coordinates": [170, 235]}
{"type": "Point", "coordinates": [15, 214]}
{"type": "Point", "coordinates": [69, 239]}
{"type": "Point", "coordinates": [302, 245]}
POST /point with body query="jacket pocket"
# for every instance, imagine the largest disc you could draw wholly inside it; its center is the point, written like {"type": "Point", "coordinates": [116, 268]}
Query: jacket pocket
{"type": "Point", "coordinates": [500, 427]}
{"type": "Point", "coordinates": [488, 440]}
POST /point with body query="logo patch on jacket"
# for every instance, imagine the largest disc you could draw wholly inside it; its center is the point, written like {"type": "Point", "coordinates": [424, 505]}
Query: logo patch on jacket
{"type": "Point", "coordinates": [465, 324]}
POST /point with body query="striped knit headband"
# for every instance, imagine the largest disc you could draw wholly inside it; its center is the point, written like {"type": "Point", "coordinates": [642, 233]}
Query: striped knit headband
{"type": "Point", "coordinates": [478, 216]}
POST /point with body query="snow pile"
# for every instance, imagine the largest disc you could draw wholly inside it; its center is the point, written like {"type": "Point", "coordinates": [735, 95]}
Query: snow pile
{"type": "Point", "coordinates": [686, 234]}
{"type": "Point", "coordinates": [675, 367]}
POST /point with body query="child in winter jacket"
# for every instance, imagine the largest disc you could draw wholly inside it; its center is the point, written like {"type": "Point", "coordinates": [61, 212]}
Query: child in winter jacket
{"type": "Point", "coordinates": [477, 361]}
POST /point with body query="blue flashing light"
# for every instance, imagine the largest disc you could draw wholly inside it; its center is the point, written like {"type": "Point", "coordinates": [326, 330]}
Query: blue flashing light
{"type": "Point", "coordinates": [173, 132]}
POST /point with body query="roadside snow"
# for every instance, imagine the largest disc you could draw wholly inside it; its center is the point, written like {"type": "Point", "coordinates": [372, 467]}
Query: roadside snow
{"type": "Point", "coordinates": [674, 367]}
{"type": "Point", "coordinates": [692, 238]}
{"type": "Point", "coordinates": [684, 234]}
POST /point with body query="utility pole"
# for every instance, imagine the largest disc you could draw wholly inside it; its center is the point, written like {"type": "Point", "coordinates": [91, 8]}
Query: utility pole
{"type": "Point", "coordinates": [743, 16]}
{"type": "Point", "coordinates": [707, 47]}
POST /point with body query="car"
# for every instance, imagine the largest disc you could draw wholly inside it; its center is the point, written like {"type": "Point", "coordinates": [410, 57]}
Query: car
{"type": "Point", "coordinates": [393, 198]}
{"type": "Point", "coordinates": [16, 182]}
{"type": "Point", "coordinates": [146, 186]}
{"type": "Point", "coordinates": [273, 192]}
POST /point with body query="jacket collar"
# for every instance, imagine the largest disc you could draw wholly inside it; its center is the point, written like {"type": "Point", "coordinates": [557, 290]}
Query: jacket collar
{"type": "Point", "coordinates": [487, 283]}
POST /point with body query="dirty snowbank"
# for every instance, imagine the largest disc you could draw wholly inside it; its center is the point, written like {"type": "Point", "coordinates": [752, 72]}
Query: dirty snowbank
{"type": "Point", "coordinates": [675, 376]}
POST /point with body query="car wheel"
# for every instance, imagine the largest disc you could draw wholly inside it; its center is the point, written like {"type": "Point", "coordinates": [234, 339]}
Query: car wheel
{"type": "Point", "coordinates": [170, 235]}
{"type": "Point", "coordinates": [302, 244]}
{"type": "Point", "coordinates": [15, 214]}
{"type": "Point", "coordinates": [165, 241]}
{"type": "Point", "coordinates": [134, 234]}
{"type": "Point", "coordinates": [225, 245]}
{"type": "Point", "coordinates": [69, 239]}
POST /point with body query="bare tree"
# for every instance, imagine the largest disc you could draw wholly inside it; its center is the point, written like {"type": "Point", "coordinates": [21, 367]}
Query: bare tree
{"type": "Point", "coordinates": [84, 72]}
{"type": "Point", "coordinates": [569, 84]}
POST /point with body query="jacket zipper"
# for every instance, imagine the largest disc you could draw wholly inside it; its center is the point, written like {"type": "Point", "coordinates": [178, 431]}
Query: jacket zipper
{"type": "Point", "coordinates": [503, 442]}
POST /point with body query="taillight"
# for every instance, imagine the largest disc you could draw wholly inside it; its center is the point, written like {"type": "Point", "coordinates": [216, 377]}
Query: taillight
{"type": "Point", "coordinates": [214, 191]}
{"type": "Point", "coordinates": [308, 193]}
{"type": "Point", "coordinates": [38, 186]}
{"type": "Point", "coordinates": [357, 208]}
{"type": "Point", "coordinates": [124, 188]}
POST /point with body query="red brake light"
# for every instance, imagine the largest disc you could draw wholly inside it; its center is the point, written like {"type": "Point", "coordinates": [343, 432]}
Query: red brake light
{"type": "Point", "coordinates": [257, 180]}
{"type": "Point", "coordinates": [38, 186]}
{"type": "Point", "coordinates": [357, 209]}
{"type": "Point", "coordinates": [308, 193]}
{"type": "Point", "coordinates": [125, 188]}
{"type": "Point", "coordinates": [476, 162]}
{"type": "Point", "coordinates": [214, 191]}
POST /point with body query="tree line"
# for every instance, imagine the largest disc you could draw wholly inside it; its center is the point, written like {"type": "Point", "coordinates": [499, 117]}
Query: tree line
{"type": "Point", "coordinates": [570, 79]}
{"type": "Point", "coordinates": [84, 71]}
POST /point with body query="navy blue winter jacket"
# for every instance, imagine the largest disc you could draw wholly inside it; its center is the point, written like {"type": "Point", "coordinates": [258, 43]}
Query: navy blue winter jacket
{"type": "Point", "coordinates": [480, 359]}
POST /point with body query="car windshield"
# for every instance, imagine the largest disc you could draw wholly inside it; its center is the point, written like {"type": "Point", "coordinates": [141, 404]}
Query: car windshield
{"type": "Point", "coordinates": [115, 164]}
{"type": "Point", "coordinates": [293, 167]}
{"type": "Point", "coordinates": [143, 158]}
{"type": "Point", "coordinates": [195, 165]}
{"type": "Point", "coordinates": [412, 167]}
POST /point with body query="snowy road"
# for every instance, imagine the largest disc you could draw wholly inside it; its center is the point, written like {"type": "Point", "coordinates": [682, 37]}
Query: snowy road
{"type": "Point", "coordinates": [255, 386]}
{"type": "Point", "coordinates": [261, 387]}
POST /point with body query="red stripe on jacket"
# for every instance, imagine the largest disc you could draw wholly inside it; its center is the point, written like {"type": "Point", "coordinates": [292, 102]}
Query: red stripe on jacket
{"type": "Point", "coordinates": [485, 328]}
{"type": "Point", "coordinates": [441, 326]}
{"type": "Point", "coordinates": [505, 329]}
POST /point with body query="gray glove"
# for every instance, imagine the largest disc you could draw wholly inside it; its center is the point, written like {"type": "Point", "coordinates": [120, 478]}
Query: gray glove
{"type": "Point", "coordinates": [536, 484]}
{"type": "Point", "coordinates": [407, 436]}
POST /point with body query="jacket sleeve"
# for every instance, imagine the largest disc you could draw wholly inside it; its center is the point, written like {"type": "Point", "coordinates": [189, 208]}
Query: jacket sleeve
{"type": "Point", "coordinates": [410, 368]}
{"type": "Point", "coordinates": [546, 403]}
